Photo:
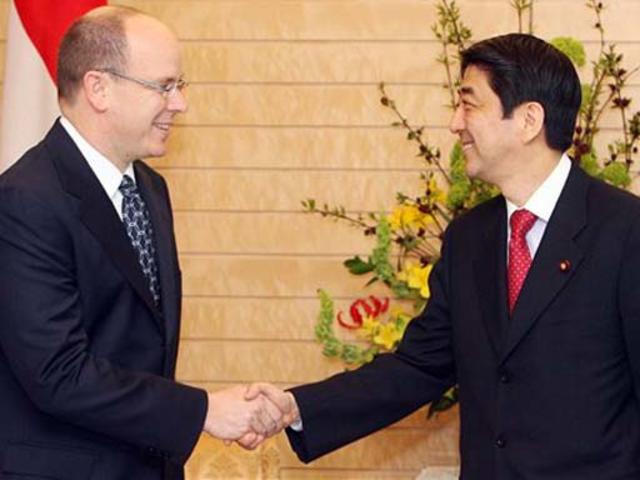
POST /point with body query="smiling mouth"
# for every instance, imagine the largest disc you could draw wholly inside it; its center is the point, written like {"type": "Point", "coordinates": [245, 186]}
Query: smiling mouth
{"type": "Point", "coordinates": [467, 144]}
{"type": "Point", "coordinates": [163, 126]}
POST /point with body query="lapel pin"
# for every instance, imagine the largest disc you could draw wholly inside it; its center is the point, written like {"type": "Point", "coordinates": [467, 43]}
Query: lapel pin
{"type": "Point", "coordinates": [564, 266]}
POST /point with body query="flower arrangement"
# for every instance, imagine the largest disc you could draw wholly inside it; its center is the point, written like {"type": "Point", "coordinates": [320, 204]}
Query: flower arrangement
{"type": "Point", "coordinates": [408, 237]}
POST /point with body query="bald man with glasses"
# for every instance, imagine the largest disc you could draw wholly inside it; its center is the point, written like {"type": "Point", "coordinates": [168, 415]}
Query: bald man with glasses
{"type": "Point", "coordinates": [90, 283]}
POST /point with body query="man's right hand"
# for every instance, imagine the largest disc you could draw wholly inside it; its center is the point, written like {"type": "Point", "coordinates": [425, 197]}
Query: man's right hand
{"type": "Point", "coordinates": [284, 401]}
{"type": "Point", "coordinates": [231, 416]}
{"type": "Point", "coordinates": [286, 406]}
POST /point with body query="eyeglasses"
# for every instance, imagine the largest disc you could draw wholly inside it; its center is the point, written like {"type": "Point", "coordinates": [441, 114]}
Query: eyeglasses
{"type": "Point", "coordinates": [165, 89]}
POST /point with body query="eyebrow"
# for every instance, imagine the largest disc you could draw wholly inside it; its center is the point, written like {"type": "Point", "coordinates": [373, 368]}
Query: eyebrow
{"type": "Point", "coordinates": [466, 90]}
{"type": "Point", "coordinates": [169, 79]}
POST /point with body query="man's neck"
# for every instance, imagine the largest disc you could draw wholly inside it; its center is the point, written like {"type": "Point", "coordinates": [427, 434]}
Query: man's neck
{"type": "Point", "coordinates": [520, 186]}
{"type": "Point", "coordinates": [87, 129]}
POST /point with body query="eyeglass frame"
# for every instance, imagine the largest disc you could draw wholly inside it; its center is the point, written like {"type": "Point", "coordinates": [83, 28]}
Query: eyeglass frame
{"type": "Point", "coordinates": [165, 90]}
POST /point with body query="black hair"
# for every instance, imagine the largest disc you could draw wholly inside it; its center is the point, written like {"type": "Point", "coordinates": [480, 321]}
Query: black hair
{"type": "Point", "coordinates": [523, 68]}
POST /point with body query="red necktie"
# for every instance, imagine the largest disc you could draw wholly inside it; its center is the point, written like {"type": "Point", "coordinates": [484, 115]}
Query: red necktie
{"type": "Point", "coordinates": [519, 256]}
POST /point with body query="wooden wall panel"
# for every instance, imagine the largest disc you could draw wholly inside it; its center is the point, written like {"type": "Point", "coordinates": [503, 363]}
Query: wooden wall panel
{"type": "Point", "coordinates": [282, 189]}
{"type": "Point", "coordinates": [271, 276]}
{"type": "Point", "coordinates": [312, 61]}
{"type": "Point", "coordinates": [270, 233]}
{"type": "Point", "coordinates": [284, 106]}
{"type": "Point", "coordinates": [245, 360]}
{"type": "Point", "coordinates": [294, 20]}
{"type": "Point", "coordinates": [4, 10]}
{"type": "Point", "coordinates": [391, 20]}
{"type": "Point", "coordinates": [265, 147]}
{"type": "Point", "coordinates": [249, 318]}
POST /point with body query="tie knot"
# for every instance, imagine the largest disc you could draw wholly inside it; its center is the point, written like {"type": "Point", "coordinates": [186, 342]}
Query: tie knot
{"type": "Point", "coordinates": [127, 187]}
{"type": "Point", "coordinates": [521, 222]}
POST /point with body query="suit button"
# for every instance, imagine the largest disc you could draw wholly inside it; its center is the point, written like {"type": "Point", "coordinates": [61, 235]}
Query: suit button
{"type": "Point", "coordinates": [505, 377]}
{"type": "Point", "coordinates": [500, 442]}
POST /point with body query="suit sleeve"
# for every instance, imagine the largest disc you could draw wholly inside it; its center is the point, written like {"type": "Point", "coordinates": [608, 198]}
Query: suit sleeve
{"type": "Point", "coordinates": [351, 405]}
{"type": "Point", "coordinates": [44, 341]}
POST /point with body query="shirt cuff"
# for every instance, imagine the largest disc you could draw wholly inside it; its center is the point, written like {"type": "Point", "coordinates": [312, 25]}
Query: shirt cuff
{"type": "Point", "coordinates": [296, 426]}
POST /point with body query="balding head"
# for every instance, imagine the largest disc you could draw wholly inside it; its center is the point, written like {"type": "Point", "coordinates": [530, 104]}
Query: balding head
{"type": "Point", "coordinates": [94, 41]}
{"type": "Point", "coordinates": [120, 82]}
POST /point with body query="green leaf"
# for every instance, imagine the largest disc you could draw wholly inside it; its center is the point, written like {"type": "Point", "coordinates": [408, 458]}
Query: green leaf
{"type": "Point", "coordinates": [587, 93]}
{"type": "Point", "coordinates": [589, 163]}
{"type": "Point", "coordinates": [445, 402]}
{"type": "Point", "coordinates": [351, 354]}
{"type": "Point", "coordinates": [458, 194]}
{"type": "Point", "coordinates": [357, 266]}
{"type": "Point", "coordinates": [616, 173]}
{"type": "Point", "coordinates": [402, 290]}
{"type": "Point", "coordinates": [331, 349]}
{"type": "Point", "coordinates": [372, 281]}
{"type": "Point", "coordinates": [368, 354]}
{"type": "Point", "coordinates": [380, 255]}
{"type": "Point", "coordinates": [572, 48]}
{"type": "Point", "coordinates": [465, 193]}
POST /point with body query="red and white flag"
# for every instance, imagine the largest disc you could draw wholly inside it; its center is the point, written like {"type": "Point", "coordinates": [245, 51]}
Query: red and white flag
{"type": "Point", "coordinates": [29, 98]}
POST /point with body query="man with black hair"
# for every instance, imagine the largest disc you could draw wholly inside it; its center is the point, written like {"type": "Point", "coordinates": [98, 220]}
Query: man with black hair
{"type": "Point", "coordinates": [535, 301]}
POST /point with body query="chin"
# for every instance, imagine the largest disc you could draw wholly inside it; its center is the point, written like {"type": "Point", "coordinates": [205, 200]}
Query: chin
{"type": "Point", "coordinates": [473, 167]}
{"type": "Point", "coordinates": [156, 151]}
{"type": "Point", "coordinates": [470, 168]}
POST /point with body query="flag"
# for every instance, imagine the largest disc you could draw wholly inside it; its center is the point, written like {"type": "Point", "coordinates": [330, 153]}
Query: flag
{"type": "Point", "coordinates": [29, 98]}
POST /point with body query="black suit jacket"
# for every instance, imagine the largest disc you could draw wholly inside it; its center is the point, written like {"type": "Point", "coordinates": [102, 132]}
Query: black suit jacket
{"type": "Point", "coordinates": [550, 393]}
{"type": "Point", "coordinates": [86, 358]}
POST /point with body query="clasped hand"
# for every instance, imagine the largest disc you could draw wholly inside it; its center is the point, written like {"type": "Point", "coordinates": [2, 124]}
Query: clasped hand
{"type": "Point", "coordinates": [249, 415]}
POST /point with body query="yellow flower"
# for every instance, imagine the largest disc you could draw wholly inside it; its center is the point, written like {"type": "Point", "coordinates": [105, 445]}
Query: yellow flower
{"type": "Point", "coordinates": [388, 336]}
{"type": "Point", "coordinates": [369, 327]}
{"type": "Point", "coordinates": [408, 217]}
{"type": "Point", "coordinates": [400, 316]}
{"type": "Point", "coordinates": [436, 194]}
{"type": "Point", "coordinates": [417, 277]}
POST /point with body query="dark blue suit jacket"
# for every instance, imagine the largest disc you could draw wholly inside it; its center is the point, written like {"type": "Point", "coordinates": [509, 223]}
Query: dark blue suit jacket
{"type": "Point", "coordinates": [86, 358]}
{"type": "Point", "coordinates": [552, 393]}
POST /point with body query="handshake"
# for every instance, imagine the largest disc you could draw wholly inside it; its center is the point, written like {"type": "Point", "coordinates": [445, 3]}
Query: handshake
{"type": "Point", "coordinates": [249, 415]}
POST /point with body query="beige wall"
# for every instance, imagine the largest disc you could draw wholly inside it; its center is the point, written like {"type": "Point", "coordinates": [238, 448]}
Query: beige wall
{"type": "Point", "coordinates": [284, 106]}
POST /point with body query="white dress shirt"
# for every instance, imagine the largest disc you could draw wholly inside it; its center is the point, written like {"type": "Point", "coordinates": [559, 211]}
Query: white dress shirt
{"type": "Point", "coordinates": [108, 174]}
{"type": "Point", "coordinates": [541, 204]}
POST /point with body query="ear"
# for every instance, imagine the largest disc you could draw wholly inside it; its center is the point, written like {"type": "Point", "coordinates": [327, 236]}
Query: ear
{"type": "Point", "coordinates": [95, 87]}
{"type": "Point", "coordinates": [532, 121]}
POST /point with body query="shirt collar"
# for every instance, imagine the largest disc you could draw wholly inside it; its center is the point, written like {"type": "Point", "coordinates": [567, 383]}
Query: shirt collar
{"type": "Point", "coordinates": [544, 199]}
{"type": "Point", "coordinates": [108, 174]}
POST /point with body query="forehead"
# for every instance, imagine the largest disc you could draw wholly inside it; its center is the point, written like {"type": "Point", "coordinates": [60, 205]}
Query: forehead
{"type": "Point", "coordinates": [475, 87]}
{"type": "Point", "coordinates": [152, 47]}
{"type": "Point", "coordinates": [475, 81]}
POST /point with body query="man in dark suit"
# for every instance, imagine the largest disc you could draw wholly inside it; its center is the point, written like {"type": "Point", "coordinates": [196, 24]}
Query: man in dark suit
{"type": "Point", "coordinates": [89, 277]}
{"type": "Point", "coordinates": [535, 302]}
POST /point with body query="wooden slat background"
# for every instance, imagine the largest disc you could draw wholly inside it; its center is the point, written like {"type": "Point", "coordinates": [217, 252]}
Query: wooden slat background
{"type": "Point", "coordinates": [284, 106]}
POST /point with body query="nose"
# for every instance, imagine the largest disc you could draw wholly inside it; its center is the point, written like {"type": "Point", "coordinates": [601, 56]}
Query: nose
{"type": "Point", "coordinates": [456, 124]}
{"type": "Point", "coordinates": [177, 102]}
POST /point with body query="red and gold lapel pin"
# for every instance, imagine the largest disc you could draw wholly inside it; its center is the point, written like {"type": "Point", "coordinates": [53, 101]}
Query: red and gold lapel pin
{"type": "Point", "coordinates": [564, 266]}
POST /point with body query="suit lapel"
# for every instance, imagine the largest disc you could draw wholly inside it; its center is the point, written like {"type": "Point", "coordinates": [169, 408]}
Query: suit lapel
{"type": "Point", "coordinates": [157, 203]}
{"type": "Point", "coordinates": [96, 211]}
{"type": "Point", "coordinates": [490, 275]}
{"type": "Point", "coordinates": [545, 278]}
